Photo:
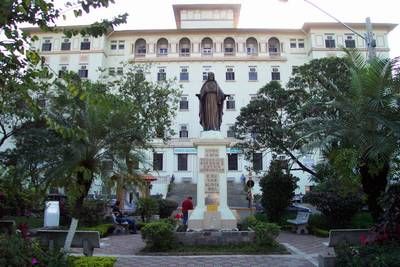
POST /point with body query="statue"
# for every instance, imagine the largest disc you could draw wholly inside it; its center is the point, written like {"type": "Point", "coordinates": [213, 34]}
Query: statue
{"type": "Point", "coordinates": [211, 104]}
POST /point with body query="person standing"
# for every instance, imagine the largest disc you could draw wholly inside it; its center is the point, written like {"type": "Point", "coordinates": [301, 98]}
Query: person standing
{"type": "Point", "coordinates": [187, 205]}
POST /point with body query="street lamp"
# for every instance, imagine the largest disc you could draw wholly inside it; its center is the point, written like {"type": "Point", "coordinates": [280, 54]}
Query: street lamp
{"type": "Point", "coordinates": [368, 38]}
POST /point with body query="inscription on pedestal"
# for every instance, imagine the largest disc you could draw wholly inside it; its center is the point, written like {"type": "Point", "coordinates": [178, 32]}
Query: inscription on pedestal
{"type": "Point", "coordinates": [212, 162]}
{"type": "Point", "coordinates": [211, 183]}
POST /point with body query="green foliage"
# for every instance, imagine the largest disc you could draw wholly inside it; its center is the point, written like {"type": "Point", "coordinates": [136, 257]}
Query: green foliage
{"type": "Point", "coordinates": [92, 212]}
{"type": "Point", "coordinates": [159, 236]}
{"type": "Point", "coordinates": [16, 251]}
{"type": "Point", "coordinates": [266, 233]}
{"type": "Point", "coordinates": [337, 208]}
{"type": "Point", "coordinates": [147, 207]}
{"type": "Point", "coordinates": [362, 220]}
{"type": "Point", "coordinates": [93, 261]}
{"type": "Point", "coordinates": [319, 221]}
{"type": "Point", "coordinates": [274, 127]}
{"type": "Point", "coordinates": [166, 207]}
{"type": "Point", "coordinates": [103, 229]}
{"type": "Point", "coordinates": [369, 255]}
{"type": "Point", "coordinates": [278, 190]}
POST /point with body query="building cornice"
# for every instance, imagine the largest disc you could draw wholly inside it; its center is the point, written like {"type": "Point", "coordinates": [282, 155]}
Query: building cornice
{"type": "Point", "coordinates": [334, 25]}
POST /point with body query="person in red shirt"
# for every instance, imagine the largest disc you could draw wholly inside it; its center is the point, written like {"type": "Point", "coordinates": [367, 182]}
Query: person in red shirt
{"type": "Point", "coordinates": [187, 205]}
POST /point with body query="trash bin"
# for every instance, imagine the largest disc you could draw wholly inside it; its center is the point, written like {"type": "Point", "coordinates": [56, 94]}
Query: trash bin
{"type": "Point", "coordinates": [52, 214]}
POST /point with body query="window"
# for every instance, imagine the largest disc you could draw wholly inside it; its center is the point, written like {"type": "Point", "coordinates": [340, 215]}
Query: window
{"type": "Point", "coordinates": [162, 47]}
{"type": "Point", "coordinates": [230, 74]}
{"type": "Point", "coordinates": [206, 46]}
{"type": "Point", "coordinates": [184, 47]}
{"type": "Point", "coordinates": [83, 72]}
{"type": "Point", "coordinates": [182, 162]}
{"type": "Point", "coordinates": [111, 71]}
{"type": "Point", "coordinates": [329, 41]}
{"type": "Point", "coordinates": [184, 75]}
{"type": "Point", "coordinates": [159, 132]}
{"type": "Point", "coordinates": [205, 75]}
{"type": "Point", "coordinates": [161, 75]}
{"type": "Point", "coordinates": [295, 69]}
{"type": "Point", "coordinates": [85, 44]}
{"type": "Point", "coordinates": [120, 71]}
{"type": "Point", "coordinates": [230, 133]}
{"type": "Point", "coordinates": [140, 48]}
{"type": "Point", "coordinates": [158, 161]}
{"type": "Point", "coordinates": [350, 42]}
{"type": "Point", "coordinates": [230, 103]}
{"type": "Point", "coordinates": [185, 51]}
{"type": "Point", "coordinates": [232, 162]}
{"type": "Point", "coordinates": [275, 74]}
{"type": "Point", "coordinates": [163, 51]}
{"type": "Point", "coordinates": [293, 43]}
{"type": "Point", "coordinates": [257, 161]}
{"type": "Point", "coordinates": [139, 75]}
{"type": "Point", "coordinates": [46, 45]}
{"type": "Point", "coordinates": [300, 43]}
{"type": "Point", "coordinates": [251, 46]}
{"type": "Point", "coordinates": [183, 132]}
{"type": "Point", "coordinates": [184, 103]}
{"type": "Point", "coordinates": [253, 74]}
{"type": "Point", "coordinates": [121, 45]}
{"type": "Point", "coordinates": [66, 45]}
{"type": "Point", "coordinates": [113, 45]}
{"type": "Point", "coordinates": [63, 69]}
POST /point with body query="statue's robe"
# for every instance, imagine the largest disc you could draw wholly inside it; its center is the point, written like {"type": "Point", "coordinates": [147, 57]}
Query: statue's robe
{"type": "Point", "coordinates": [211, 106]}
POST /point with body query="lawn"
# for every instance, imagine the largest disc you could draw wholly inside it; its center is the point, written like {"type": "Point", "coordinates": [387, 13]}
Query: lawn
{"type": "Point", "coordinates": [220, 250]}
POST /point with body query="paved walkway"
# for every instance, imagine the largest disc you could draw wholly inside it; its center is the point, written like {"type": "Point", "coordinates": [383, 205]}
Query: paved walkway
{"type": "Point", "coordinates": [304, 251]}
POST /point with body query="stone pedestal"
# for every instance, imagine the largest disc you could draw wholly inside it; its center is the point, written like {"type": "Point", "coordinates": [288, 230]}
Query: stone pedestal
{"type": "Point", "coordinates": [212, 211]}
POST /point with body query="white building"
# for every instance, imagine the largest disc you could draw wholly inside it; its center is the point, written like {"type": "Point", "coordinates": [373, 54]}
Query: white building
{"type": "Point", "coordinates": [206, 39]}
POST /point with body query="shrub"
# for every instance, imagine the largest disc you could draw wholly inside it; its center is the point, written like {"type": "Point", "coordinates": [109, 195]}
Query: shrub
{"type": "Point", "coordinates": [278, 190]}
{"type": "Point", "coordinates": [147, 207]}
{"type": "Point", "coordinates": [370, 255]}
{"type": "Point", "coordinates": [362, 220]}
{"type": "Point", "coordinates": [91, 261]}
{"type": "Point", "coordinates": [92, 213]}
{"type": "Point", "coordinates": [319, 221]}
{"type": "Point", "coordinates": [103, 229]}
{"type": "Point", "coordinates": [159, 236]}
{"type": "Point", "coordinates": [266, 233]}
{"type": "Point", "coordinates": [337, 208]}
{"type": "Point", "coordinates": [166, 207]}
{"type": "Point", "coordinates": [16, 251]}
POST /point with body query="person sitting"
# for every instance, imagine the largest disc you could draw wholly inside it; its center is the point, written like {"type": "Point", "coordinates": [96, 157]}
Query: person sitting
{"type": "Point", "coordinates": [123, 219]}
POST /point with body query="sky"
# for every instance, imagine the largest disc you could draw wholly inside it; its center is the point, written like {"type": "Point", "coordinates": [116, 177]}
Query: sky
{"type": "Point", "coordinates": [158, 14]}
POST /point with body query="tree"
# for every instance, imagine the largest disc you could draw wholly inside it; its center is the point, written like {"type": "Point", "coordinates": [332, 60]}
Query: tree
{"type": "Point", "coordinates": [21, 81]}
{"type": "Point", "coordinates": [43, 14]}
{"type": "Point", "coordinates": [269, 123]}
{"type": "Point", "coordinates": [362, 116]}
{"type": "Point", "coordinates": [277, 188]}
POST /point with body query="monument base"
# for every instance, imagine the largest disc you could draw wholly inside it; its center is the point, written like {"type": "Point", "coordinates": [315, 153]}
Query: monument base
{"type": "Point", "coordinates": [214, 220]}
{"type": "Point", "coordinates": [212, 211]}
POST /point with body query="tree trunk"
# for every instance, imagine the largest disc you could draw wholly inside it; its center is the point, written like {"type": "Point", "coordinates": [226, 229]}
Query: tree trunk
{"type": "Point", "coordinates": [374, 184]}
{"type": "Point", "coordinates": [71, 234]}
{"type": "Point", "coordinates": [77, 209]}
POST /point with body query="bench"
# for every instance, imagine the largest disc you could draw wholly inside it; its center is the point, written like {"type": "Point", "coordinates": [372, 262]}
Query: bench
{"type": "Point", "coordinates": [301, 222]}
{"type": "Point", "coordinates": [7, 226]}
{"type": "Point", "coordinates": [119, 227]}
{"type": "Point", "coordinates": [55, 239]}
{"type": "Point", "coordinates": [339, 237]}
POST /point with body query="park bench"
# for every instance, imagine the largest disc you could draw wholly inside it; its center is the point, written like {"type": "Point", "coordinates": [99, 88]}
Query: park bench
{"type": "Point", "coordinates": [301, 222]}
{"type": "Point", "coordinates": [7, 226]}
{"type": "Point", "coordinates": [339, 237]}
{"type": "Point", "coordinates": [119, 227]}
{"type": "Point", "coordinates": [55, 239]}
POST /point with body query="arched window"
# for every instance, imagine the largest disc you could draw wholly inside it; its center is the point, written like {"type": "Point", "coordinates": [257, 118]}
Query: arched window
{"type": "Point", "coordinates": [207, 46]}
{"type": "Point", "coordinates": [229, 47]}
{"type": "Point", "coordinates": [140, 48]}
{"type": "Point", "coordinates": [184, 47]}
{"type": "Point", "coordinates": [251, 46]}
{"type": "Point", "coordinates": [162, 47]}
{"type": "Point", "coordinates": [274, 47]}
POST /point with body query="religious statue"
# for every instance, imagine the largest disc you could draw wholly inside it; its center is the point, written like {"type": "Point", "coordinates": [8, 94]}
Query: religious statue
{"type": "Point", "coordinates": [211, 104]}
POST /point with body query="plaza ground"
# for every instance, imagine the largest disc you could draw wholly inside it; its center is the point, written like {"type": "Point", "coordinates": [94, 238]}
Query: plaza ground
{"type": "Point", "coordinates": [304, 251]}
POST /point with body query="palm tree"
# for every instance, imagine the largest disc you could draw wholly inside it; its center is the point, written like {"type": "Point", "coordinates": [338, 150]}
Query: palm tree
{"type": "Point", "coordinates": [365, 118]}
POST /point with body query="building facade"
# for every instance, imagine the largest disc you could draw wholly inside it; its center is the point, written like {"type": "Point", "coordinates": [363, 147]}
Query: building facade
{"type": "Point", "coordinates": [206, 39]}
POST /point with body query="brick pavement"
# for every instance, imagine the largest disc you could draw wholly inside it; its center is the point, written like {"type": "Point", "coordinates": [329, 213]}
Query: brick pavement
{"type": "Point", "coordinates": [304, 249]}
